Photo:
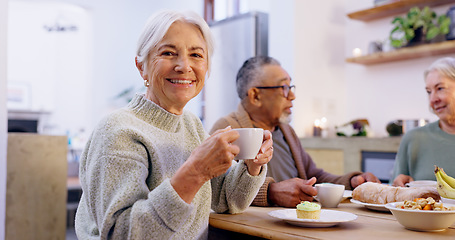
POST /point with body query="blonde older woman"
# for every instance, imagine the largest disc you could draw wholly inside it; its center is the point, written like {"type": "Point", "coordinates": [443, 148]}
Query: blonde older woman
{"type": "Point", "coordinates": [433, 144]}
{"type": "Point", "coordinates": [149, 170]}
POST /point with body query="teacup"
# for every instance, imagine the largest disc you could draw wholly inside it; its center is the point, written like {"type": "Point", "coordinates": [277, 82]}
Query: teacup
{"type": "Point", "coordinates": [249, 142]}
{"type": "Point", "coordinates": [329, 195]}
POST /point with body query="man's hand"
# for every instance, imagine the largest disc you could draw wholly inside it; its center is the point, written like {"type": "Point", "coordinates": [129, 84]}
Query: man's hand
{"type": "Point", "coordinates": [289, 193]}
{"type": "Point", "coordinates": [364, 177]}
{"type": "Point", "coordinates": [401, 180]}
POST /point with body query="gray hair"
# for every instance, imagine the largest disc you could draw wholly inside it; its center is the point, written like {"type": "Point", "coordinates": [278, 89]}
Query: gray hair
{"type": "Point", "coordinates": [158, 25]}
{"type": "Point", "coordinates": [248, 74]}
{"type": "Point", "coordinates": [445, 66]}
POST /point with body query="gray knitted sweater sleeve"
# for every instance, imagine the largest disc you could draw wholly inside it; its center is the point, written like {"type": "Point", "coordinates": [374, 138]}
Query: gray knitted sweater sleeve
{"type": "Point", "coordinates": [125, 171]}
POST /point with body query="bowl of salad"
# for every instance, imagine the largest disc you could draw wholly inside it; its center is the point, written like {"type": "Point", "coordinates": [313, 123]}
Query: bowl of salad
{"type": "Point", "coordinates": [423, 214]}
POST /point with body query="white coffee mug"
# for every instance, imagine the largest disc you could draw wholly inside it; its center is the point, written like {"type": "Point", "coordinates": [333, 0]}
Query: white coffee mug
{"type": "Point", "coordinates": [249, 142]}
{"type": "Point", "coordinates": [329, 195]}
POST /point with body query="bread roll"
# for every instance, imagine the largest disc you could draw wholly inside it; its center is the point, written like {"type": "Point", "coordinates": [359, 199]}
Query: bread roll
{"type": "Point", "coordinates": [377, 193]}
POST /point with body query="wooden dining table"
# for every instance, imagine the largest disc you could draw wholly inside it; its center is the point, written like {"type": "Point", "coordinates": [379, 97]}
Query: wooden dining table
{"type": "Point", "coordinates": [255, 223]}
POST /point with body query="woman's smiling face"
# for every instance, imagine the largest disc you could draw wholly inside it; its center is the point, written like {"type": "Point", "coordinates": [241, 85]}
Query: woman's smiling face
{"type": "Point", "coordinates": [441, 95]}
{"type": "Point", "coordinates": [177, 67]}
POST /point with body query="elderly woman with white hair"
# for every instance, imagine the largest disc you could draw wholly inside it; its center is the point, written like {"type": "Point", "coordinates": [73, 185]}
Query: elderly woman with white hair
{"type": "Point", "coordinates": [433, 144]}
{"type": "Point", "coordinates": [149, 170]}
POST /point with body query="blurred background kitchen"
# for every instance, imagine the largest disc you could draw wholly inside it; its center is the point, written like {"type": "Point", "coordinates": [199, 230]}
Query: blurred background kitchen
{"type": "Point", "coordinates": [65, 64]}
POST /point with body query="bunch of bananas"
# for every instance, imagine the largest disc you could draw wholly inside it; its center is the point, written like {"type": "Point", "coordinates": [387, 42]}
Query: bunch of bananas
{"type": "Point", "coordinates": [446, 183]}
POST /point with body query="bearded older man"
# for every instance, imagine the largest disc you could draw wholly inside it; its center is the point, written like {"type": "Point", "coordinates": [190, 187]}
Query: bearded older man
{"type": "Point", "coordinates": [266, 94]}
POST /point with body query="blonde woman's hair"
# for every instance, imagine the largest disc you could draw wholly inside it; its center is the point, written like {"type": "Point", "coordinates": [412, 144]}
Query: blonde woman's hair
{"type": "Point", "coordinates": [445, 66]}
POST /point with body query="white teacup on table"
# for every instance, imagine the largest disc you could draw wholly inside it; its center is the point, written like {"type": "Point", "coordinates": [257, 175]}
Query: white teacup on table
{"type": "Point", "coordinates": [249, 142]}
{"type": "Point", "coordinates": [329, 194]}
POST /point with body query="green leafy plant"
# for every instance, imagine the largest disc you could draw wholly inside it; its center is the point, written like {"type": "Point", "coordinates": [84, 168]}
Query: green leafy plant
{"type": "Point", "coordinates": [418, 22]}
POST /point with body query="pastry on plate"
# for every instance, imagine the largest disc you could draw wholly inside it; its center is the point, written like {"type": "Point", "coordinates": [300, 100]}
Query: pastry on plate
{"type": "Point", "coordinates": [308, 210]}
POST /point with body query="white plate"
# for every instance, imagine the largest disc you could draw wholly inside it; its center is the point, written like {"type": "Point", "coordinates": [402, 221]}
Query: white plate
{"type": "Point", "coordinates": [376, 207]}
{"type": "Point", "coordinates": [328, 218]}
{"type": "Point", "coordinates": [448, 200]}
{"type": "Point", "coordinates": [347, 194]}
{"type": "Point", "coordinates": [422, 183]}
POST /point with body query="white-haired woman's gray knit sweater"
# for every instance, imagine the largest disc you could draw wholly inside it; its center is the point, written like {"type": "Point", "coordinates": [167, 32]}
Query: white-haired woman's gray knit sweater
{"type": "Point", "coordinates": [125, 171]}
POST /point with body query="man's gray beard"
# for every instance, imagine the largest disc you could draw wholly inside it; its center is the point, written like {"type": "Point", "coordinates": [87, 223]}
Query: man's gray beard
{"type": "Point", "coordinates": [285, 118]}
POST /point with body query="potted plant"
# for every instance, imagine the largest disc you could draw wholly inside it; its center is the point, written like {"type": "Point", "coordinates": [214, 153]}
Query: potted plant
{"type": "Point", "coordinates": [418, 26]}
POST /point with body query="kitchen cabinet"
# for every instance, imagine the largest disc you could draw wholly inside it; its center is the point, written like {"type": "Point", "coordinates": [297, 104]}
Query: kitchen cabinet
{"type": "Point", "coordinates": [340, 155]}
{"type": "Point", "coordinates": [36, 190]}
{"type": "Point", "coordinates": [392, 9]}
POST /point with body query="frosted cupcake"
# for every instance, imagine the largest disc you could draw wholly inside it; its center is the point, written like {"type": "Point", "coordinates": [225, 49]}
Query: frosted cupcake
{"type": "Point", "coordinates": [308, 210]}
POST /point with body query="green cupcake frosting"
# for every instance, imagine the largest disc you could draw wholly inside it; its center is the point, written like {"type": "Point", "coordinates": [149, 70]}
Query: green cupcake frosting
{"type": "Point", "coordinates": [308, 206]}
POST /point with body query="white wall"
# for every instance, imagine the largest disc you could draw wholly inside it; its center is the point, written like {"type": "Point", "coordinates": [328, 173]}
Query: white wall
{"type": "Point", "coordinates": [383, 92]}
{"type": "Point", "coordinates": [281, 29]}
{"type": "Point", "coordinates": [55, 65]}
{"type": "Point", "coordinates": [307, 37]}
{"type": "Point", "coordinates": [116, 26]}
{"type": "Point", "coordinates": [313, 39]}
{"type": "Point", "coordinates": [3, 114]}
{"type": "Point", "coordinates": [319, 64]}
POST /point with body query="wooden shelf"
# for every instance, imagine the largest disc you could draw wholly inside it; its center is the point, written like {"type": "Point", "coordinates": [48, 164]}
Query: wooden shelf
{"type": "Point", "coordinates": [426, 50]}
{"type": "Point", "coordinates": [394, 8]}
